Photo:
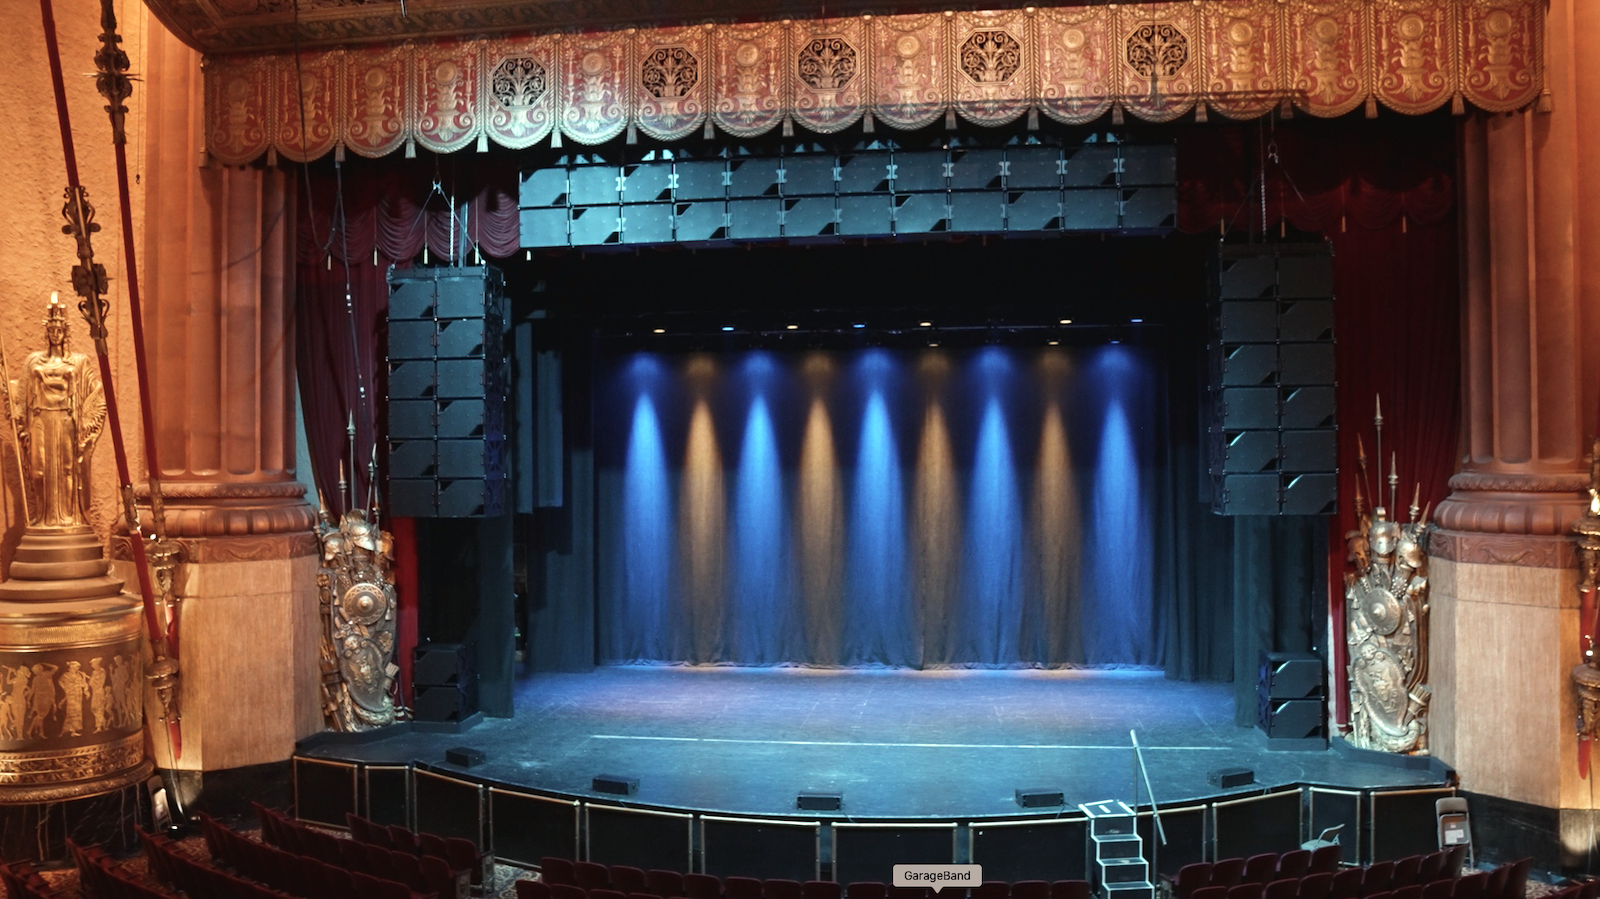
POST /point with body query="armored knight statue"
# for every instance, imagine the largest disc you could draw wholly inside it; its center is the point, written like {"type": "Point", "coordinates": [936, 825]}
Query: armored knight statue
{"type": "Point", "coordinates": [1386, 621]}
{"type": "Point", "coordinates": [59, 410]}
{"type": "Point", "coordinates": [358, 615]}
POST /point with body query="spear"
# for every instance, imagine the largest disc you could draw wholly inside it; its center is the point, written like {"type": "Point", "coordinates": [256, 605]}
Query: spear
{"type": "Point", "coordinates": [1377, 422]}
{"type": "Point", "coordinates": [16, 430]}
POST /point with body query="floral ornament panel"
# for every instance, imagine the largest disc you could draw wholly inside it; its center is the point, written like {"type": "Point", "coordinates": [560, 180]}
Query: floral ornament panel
{"type": "Point", "coordinates": [374, 99]}
{"type": "Point", "coordinates": [1244, 56]}
{"type": "Point", "coordinates": [594, 91]}
{"type": "Point", "coordinates": [993, 68]}
{"type": "Point", "coordinates": [747, 84]}
{"type": "Point", "coordinates": [829, 75]}
{"type": "Point", "coordinates": [236, 106]}
{"type": "Point", "coordinates": [1157, 46]}
{"type": "Point", "coordinates": [520, 78]}
{"type": "Point", "coordinates": [306, 96]}
{"type": "Point", "coordinates": [909, 79]}
{"type": "Point", "coordinates": [674, 67]}
{"type": "Point", "coordinates": [1503, 53]}
{"type": "Point", "coordinates": [1328, 47]}
{"type": "Point", "coordinates": [1414, 55]}
{"type": "Point", "coordinates": [1074, 48]}
{"type": "Point", "coordinates": [447, 84]}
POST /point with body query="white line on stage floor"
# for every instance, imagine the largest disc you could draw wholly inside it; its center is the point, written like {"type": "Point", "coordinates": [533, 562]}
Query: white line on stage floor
{"type": "Point", "coordinates": [904, 745]}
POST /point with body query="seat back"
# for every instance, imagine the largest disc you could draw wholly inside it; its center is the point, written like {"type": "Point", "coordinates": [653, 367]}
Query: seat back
{"type": "Point", "coordinates": [1316, 886]}
{"type": "Point", "coordinates": [1260, 869]}
{"type": "Point", "coordinates": [1346, 884]}
{"type": "Point", "coordinates": [1191, 877]}
{"type": "Point", "coordinates": [629, 879]}
{"type": "Point", "coordinates": [1070, 889]}
{"type": "Point", "coordinates": [1030, 889]}
{"type": "Point", "coordinates": [664, 883]}
{"type": "Point", "coordinates": [553, 870]}
{"type": "Point", "coordinates": [702, 886]}
{"type": "Point", "coordinates": [866, 889]}
{"type": "Point", "coordinates": [821, 889]}
{"type": "Point", "coordinates": [1294, 864]}
{"type": "Point", "coordinates": [1246, 891]}
{"type": "Point", "coordinates": [1227, 872]}
{"type": "Point", "coordinates": [1470, 886]}
{"type": "Point", "coordinates": [1405, 872]}
{"type": "Point", "coordinates": [1286, 888]}
{"type": "Point", "coordinates": [590, 875]}
{"type": "Point", "coordinates": [736, 887]}
{"type": "Point", "coordinates": [1326, 858]}
{"type": "Point", "coordinates": [530, 889]}
{"type": "Point", "coordinates": [567, 891]}
{"type": "Point", "coordinates": [781, 888]}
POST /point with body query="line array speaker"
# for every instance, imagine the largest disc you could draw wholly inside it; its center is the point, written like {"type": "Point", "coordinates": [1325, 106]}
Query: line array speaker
{"type": "Point", "coordinates": [1271, 435]}
{"type": "Point", "coordinates": [447, 386]}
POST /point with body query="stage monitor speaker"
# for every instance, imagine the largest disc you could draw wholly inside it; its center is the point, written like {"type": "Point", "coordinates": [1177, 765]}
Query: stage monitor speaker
{"type": "Point", "coordinates": [464, 756]}
{"type": "Point", "coordinates": [1040, 797]}
{"type": "Point", "coordinates": [439, 664]}
{"type": "Point", "coordinates": [527, 827]}
{"type": "Point", "coordinates": [324, 791]}
{"type": "Point", "coordinates": [388, 793]}
{"type": "Point", "coordinates": [870, 851]}
{"type": "Point", "coordinates": [1229, 778]}
{"type": "Point", "coordinates": [450, 807]}
{"type": "Point", "coordinates": [1269, 823]}
{"type": "Point", "coordinates": [1051, 849]}
{"type": "Point", "coordinates": [442, 704]}
{"type": "Point", "coordinates": [752, 847]}
{"type": "Point", "coordinates": [638, 837]}
{"type": "Point", "coordinates": [1290, 675]}
{"type": "Point", "coordinates": [615, 784]}
{"type": "Point", "coordinates": [819, 802]}
{"type": "Point", "coordinates": [1292, 719]}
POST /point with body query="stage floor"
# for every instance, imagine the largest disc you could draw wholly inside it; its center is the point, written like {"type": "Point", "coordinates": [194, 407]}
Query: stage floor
{"type": "Point", "coordinates": [950, 744]}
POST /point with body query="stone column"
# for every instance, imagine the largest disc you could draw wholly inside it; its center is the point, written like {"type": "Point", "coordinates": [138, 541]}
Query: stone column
{"type": "Point", "coordinates": [1503, 635]}
{"type": "Point", "coordinates": [219, 264]}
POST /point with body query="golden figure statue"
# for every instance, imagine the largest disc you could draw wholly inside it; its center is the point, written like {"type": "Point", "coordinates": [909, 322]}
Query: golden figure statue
{"type": "Point", "coordinates": [60, 409]}
{"type": "Point", "coordinates": [356, 583]}
{"type": "Point", "coordinates": [1386, 623]}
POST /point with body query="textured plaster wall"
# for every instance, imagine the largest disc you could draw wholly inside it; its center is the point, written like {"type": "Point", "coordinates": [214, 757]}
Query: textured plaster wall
{"type": "Point", "coordinates": [35, 257]}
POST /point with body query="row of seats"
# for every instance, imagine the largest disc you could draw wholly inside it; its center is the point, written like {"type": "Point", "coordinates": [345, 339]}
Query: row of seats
{"type": "Point", "coordinates": [1263, 868]}
{"type": "Point", "coordinates": [1586, 890]}
{"type": "Point", "coordinates": [566, 879]}
{"type": "Point", "coordinates": [1392, 880]}
{"type": "Point", "coordinates": [100, 877]}
{"type": "Point", "coordinates": [460, 854]}
{"type": "Point", "coordinates": [422, 874]}
{"type": "Point", "coordinates": [303, 875]}
{"type": "Point", "coordinates": [179, 872]}
{"type": "Point", "coordinates": [23, 882]}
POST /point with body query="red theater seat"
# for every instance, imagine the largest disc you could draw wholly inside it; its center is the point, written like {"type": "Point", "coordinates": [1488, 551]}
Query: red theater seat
{"type": "Point", "coordinates": [528, 889]}
{"type": "Point", "coordinates": [1070, 889]}
{"type": "Point", "coordinates": [1189, 878]}
{"type": "Point", "coordinates": [1030, 889]}
{"type": "Point", "coordinates": [1325, 859]}
{"type": "Point", "coordinates": [1246, 891]}
{"type": "Point", "coordinates": [590, 875]}
{"type": "Point", "coordinates": [554, 870]}
{"type": "Point", "coordinates": [820, 889]}
{"type": "Point", "coordinates": [1287, 888]}
{"type": "Point", "coordinates": [1470, 886]}
{"type": "Point", "coordinates": [629, 879]}
{"type": "Point", "coordinates": [866, 889]}
{"type": "Point", "coordinates": [908, 892]}
{"type": "Point", "coordinates": [664, 883]}
{"type": "Point", "coordinates": [1213, 892]}
{"type": "Point", "coordinates": [1405, 872]}
{"type": "Point", "coordinates": [605, 893]}
{"type": "Point", "coordinates": [567, 891]}
{"type": "Point", "coordinates": [1262, 869]}
{"type": "Point", "coordinates": [1438, 889]}
{"type": "Point", "coordinates": [1227, 872]}
{"type": "Point", "coordinates": [1432, 867]}
{"type": "Point", "coordinates": [1295, 863]}
{"type": "Point", "coordinates": [736, 887]}
{"type": "Point", "coordinates": [781, 888]}
{"type": "Point", "coordinates": [1316, 886]}
{"type": "Point", "coordinates": [991, 889]}
{"type": "Point", "coordinates": [702, 886]}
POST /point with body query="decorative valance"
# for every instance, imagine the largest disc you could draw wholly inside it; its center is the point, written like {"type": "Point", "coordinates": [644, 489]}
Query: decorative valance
{"type": "Point", "coordinates": [1155, 61]}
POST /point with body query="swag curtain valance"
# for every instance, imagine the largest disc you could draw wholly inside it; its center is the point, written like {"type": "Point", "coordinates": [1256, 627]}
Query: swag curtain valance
{"type": "Point", "coordinates": [1155, 61]}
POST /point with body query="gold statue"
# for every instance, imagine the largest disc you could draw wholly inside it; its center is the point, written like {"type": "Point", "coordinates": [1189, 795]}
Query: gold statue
{"type": "Point", "coordinates": [356, 583]}
{"type": "Point", "coordinates": [59, 410]}
{"type": "Point", "coordinates": [1386, 620]}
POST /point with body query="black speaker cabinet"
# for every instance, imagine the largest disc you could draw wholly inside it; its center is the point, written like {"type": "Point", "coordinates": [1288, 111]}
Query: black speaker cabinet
{"type": "Point", "coordinates": [1293, 723]}
{"type": "Point", "coordinates": [443, 704]}
{"type": "Point", "coordinates": [1291, 675]}
{"type": "Point", "coordinates": [439, 664]}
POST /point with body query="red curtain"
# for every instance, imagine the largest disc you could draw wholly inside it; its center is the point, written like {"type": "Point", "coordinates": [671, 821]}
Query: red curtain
{"type": "Point", "coordinates": [1382, 191]}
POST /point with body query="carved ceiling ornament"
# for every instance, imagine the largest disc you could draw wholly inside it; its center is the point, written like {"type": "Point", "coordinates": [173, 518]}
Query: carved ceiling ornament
{"type": "Point", "coordinates": [1155, 61]}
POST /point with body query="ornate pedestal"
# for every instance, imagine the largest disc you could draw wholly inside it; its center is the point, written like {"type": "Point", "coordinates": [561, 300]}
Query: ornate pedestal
{"type": "Point", "coordinates": [71, 697]}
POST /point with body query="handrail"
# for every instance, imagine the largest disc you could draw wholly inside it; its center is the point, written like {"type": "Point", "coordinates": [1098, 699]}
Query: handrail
{"type": "Point", "coordinates": [1140, 771]}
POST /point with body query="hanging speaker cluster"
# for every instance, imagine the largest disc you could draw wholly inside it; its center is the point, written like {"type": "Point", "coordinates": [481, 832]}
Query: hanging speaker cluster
{"type": "Point", "coordinates": [1271, 432]}
{"type": "Point", "coordinates": [447, 386]}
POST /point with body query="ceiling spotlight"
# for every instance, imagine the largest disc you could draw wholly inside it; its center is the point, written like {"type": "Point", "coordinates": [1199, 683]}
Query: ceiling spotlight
{"type": "Point", "coordinates": [1055, 343]}
{"type": "Point", "coordinates": [1066, 321]}
{"type": "Point", "coordinates": [858, 325]}
{"type": "Point", "coordinates": [792, 327]}
{"type": "Point", "coordinates": [727, 327]}
{"type": "Point", "coordinates": [1136, 321]}
{"type": "Point", "coordinates": [933, 343]}
{"type": "Point", "coordinates": [924, 324]}
{"type": "Point", "coordinates": [660, 330]}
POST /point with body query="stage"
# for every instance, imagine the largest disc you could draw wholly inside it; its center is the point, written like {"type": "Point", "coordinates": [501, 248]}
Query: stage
{"type": "Point", "coordinates": [898, 744]}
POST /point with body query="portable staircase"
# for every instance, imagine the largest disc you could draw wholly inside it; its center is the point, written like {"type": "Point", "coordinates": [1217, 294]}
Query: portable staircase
{"type": "Point", "coordinates": [1119, 868]}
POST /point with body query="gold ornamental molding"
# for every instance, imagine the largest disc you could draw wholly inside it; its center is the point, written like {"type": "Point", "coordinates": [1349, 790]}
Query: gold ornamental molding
{"type": "Point", "coordinates": [1155, 61]}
